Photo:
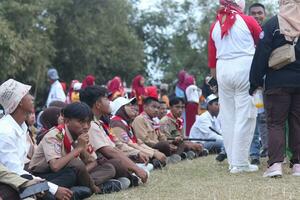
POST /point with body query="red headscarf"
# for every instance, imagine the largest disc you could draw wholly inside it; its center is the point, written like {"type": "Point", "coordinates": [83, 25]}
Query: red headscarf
{"type": "Point", "coordinates": [228, 11]}
{"type": "Point", "coordinates": [115, 85]}
{"type": "Point", "coordinates": [181, 77]}
{"type": "Point", "coordinates": [88, 81]}
{"type": "Point", "coordinates": [137, 87]}
{"type": "Point", "coordinates": [189, 80]}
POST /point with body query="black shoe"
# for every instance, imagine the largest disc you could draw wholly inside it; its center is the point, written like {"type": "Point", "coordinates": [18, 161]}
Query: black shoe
{"type": "Point", "coordinates": [80, 192]}
{"type": "Point", "coordinates": [157, 164]}
{"type": "Point", "coordinates": [205, 152]}
{"type": "Point", "coordinates": [183, 156]}
{"type": "Point", "coordinates": [110, 186]}
{"type": "Point", "coordinates": [221, 157]}
{"type": "Point", "coordinates": [255, 161]}
{"type": "Point", "coordinates": [134, 181]}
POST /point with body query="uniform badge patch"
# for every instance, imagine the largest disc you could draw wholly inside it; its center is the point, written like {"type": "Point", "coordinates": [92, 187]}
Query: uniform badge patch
{"type": "Point", "coordinates": [57, 148]}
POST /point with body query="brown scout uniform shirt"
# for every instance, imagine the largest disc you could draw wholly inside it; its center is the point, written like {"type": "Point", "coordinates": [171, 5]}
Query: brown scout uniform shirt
{"type": "Point", "coordinates": [99, 139]}
{"type": "Point", "coordinates": [145, 130]}
{"type": "Point", "coordinates": [168, 127]}
{"type": "Point", "coordinates": [52, 147]}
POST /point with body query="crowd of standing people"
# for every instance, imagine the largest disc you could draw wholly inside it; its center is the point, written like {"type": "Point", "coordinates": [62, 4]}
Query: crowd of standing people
{"type": "Point", "coordinates": [103, 139]}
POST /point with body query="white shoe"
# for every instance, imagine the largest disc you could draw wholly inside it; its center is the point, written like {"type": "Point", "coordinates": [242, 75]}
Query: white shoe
{"type": "Point", "coordinates": [296, 170]}
{"type": "Point", "coordinates": [274, 171]}
{"type": "Point", "coordinates": [241, 169]}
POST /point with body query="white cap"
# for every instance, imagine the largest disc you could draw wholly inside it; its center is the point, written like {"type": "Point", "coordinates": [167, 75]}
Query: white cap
{"type": "Point", "coordinates": [77, 86]}
{"type": "Point", "coordinates": [11, 94]}
{"type": "Point", "coordinates": [118, 103]}
{"type": "Point", "coordinates": [210, 98]}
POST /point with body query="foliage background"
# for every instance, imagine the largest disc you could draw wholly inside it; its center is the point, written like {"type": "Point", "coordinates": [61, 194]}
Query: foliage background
{"type": "Point", "coordinates": [105, 38]}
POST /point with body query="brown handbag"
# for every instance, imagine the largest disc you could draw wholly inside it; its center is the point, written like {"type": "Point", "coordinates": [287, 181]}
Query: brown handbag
{"type": "Point", "coordinates": [283, 56]}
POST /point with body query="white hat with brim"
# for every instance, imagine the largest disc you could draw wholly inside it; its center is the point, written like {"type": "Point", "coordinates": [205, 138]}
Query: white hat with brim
{"type": "Point", "coordinates": [11, 94]}
{"type": "Point", "coordinates": [119, 102]}
{"type": "Point", "coordinates": [211, 98]}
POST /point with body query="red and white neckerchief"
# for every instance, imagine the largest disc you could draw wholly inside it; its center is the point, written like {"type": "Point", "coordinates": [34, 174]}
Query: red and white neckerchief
{"type": "Point", "coordinates": [67, 142]}
{"type": "Point", "coordinates": [155, 125]}
{"type": "Point", "coordinates": [177, 121]}
{"type": "Point", "coordinates": [129, 133]}
{"type": "Point", "coordinates": [106, 128]}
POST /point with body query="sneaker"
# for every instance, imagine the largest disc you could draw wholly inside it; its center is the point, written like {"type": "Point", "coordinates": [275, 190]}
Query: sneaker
{"type": "Point", "coordinates": [157, 164]}
{"type": "Point", "coordinates": [296, 170]}
{"type": "Point", "coordinates": [134, 181]}
{"type": "Point", "coordinates": [110, 186]}
{"type": "Point", "coordinates": [191, 155]}
{"type": "Point", "coordinates": [221, 157]}
{"type": "Point", "coordinates": [125, 182]}
{"type": "Point", "coordinates": [205, 152]}
{"type": "Point", "coordinates": [173, 159]}
{"type": "Point", "coordinates": [183, 156]}
{"type": "Point", "coordinates": [274, 171]}
{"type": "Point", "coordinates": [255, 161]}
{"type": "Point", "coordinates": [248, 168]}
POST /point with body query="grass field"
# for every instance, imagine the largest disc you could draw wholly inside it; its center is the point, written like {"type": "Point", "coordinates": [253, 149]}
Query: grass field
{"type": "Point", "coordinates": [203, 178]}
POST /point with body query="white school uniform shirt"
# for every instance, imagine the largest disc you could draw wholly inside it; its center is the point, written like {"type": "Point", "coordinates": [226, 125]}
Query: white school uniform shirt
{"type": "Point", "coordinates": [56, 93]}
{"type": "Point", "coordinates": [13, 147]}
{"type": "Point", "coordinates": [201, 130]}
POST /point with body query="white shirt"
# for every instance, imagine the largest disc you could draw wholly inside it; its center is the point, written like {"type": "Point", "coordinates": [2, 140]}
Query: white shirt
{"type": "Point", "coordinates": [13, 147]}
{"type": "Point", "coordinates": [239, 41]}
{"type": "Point", "coordinates": [56, 93]}
{"type": "Point", "coordinates": [201, 130]}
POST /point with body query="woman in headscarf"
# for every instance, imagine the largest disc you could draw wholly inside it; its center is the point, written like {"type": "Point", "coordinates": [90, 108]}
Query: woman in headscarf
{"type": "Point", "coordinates": [232, 42]}
{"type": "Point", "coordinates": [88, 81]}
{"type": "Point", "coordinates": [193, 94]}
{"type": "Point", "coordinates": [139, 91]}
{"type": "Point", "coordinates": [180, 86]}
{"type": "Point", "coordinates": [51, 117]}
{"type": "Point", "coordinates": [282, 87]}
{"type": "Point", "coordinates": [115, 88]}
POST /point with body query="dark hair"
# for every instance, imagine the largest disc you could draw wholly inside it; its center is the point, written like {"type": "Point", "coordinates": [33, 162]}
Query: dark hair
{"type": "Point", "coordinates": [149, 100]}
{"type": "Point", "coordinates": [92, 93]}
{"type": "Point", "coordinates": [213, 101]}
{"type": "Point", "coordinates": [58, 104]}
{"type": "Point", "coordinates": [257, 5]}
{"type": "Point", "coordinates": [175, 101]}
{"type": "Point", "coordinates": [77, 110]}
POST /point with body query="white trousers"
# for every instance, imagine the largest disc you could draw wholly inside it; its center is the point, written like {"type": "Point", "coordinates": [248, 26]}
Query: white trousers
{"type": "Point", "coordinates": [237, 111]}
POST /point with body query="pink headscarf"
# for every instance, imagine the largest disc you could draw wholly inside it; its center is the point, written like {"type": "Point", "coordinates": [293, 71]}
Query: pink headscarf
{"type": "Point", "coordinates": [181, 78]}
{"type": "Point", "coordinates": [88, 81]}
{"type": "Point", "coordinates": [189, 80]}
{"type": "Point", "coordinates": [227, 14]}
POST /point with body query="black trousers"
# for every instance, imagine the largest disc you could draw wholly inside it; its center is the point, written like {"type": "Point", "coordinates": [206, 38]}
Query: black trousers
{"type": "Point", "coordinates": [282, 105]}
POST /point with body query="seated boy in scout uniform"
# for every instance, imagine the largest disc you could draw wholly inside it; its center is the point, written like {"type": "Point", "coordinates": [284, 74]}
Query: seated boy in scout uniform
{"type": "Point", "coordinates": [147, 130]}
{"type": "Point", "coordinates": [171, 126]}
{"type": "Point", "coordinates": [101, 138]}
{"type": "Point", "coordinates": [67, 146]}
{"type": "Point", "coordinates": [125, 111]}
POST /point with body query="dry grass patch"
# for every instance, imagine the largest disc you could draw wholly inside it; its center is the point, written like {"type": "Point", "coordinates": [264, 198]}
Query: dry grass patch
{"type": "Point", "coordinates": [204, 178]}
